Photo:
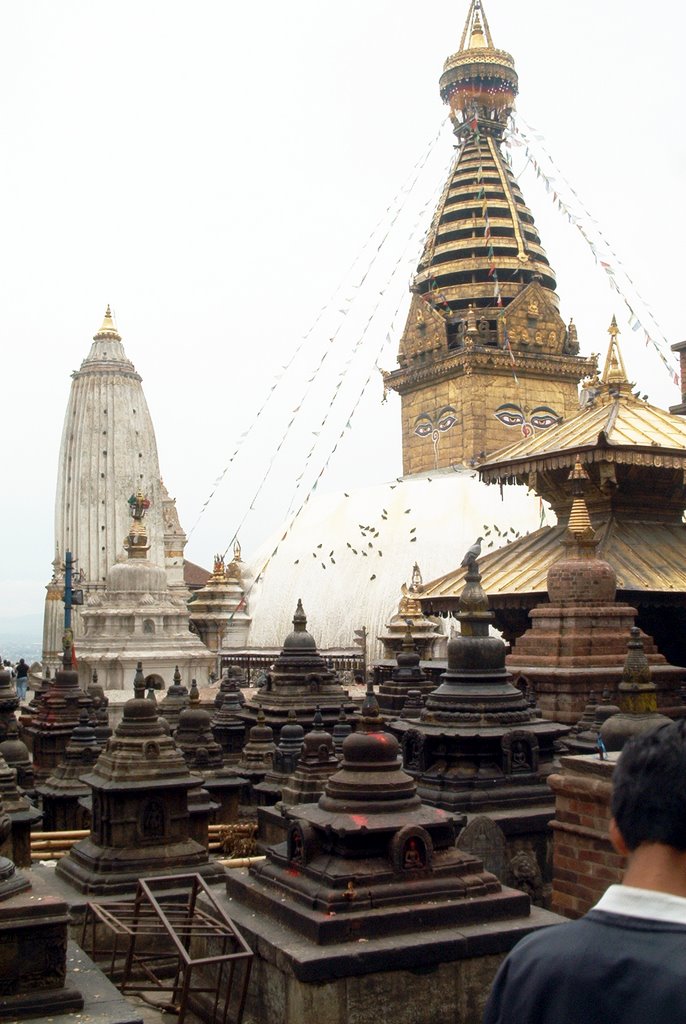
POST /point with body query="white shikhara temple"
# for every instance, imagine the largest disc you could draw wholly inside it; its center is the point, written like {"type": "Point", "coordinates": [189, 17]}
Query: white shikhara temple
{"type": "Point", "coordinates": [109, 453]}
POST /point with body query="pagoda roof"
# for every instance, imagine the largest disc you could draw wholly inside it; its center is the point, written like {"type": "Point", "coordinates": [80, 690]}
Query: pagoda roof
{"type": "Point", "coordinates": [647, 557]}
{"type": "Point", "coordinates": [615, 421]}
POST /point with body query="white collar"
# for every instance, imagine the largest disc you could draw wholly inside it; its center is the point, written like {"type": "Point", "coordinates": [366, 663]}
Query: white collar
{"type": "Point", "coordinates": [644, 903]}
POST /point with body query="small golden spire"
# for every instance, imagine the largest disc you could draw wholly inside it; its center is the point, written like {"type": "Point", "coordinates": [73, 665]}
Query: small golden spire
{"type": "Point", "coordinates": [108, 329]}
{"type": "Point", "coordinates": [476, 28]}
{"type": "Point", "coordinates": [579, 520]}
{"type": "Point", "coordinates": [614, 371]}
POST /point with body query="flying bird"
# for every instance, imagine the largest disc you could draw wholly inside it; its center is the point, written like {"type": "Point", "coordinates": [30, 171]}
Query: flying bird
{"type": "Point", "coordinates": [472, 553]}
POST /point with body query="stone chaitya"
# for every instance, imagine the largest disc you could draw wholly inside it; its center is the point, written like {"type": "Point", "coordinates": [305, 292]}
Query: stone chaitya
{"type": "Point", "coordinates": [299, 680]}
{"type": "Point", "coordinates": [228, 728]}
{"type": "Point", "coordinates": [370, 879]}
{"type": "Point", "coordinates": [16, 753]}
{"type": "Point", "coordinates": [257, 758]}
{"type": "Point", "coordinates": [203, 754]}
{"type": "Point", "coordinates": [63, 790]}
{"type": "Point", "coordinates": [9, 702]}
{"type": "Point", "coordinates": [174, 701]}
{"type": "Point", "coordinates": [310, 768]}
{"type": "Point", "coordinates": [478, 746]}
{"type": "Point", "coordinates": [57, 717]}
{"type": "Point", "coordinates": [140, 820]}
{"type": "Point", "coordinates": [409, 616]}
{"type": "Point", "coordinates": [286, 756]}
{"type": "Point", "coordinates": [23, 815]}
{"type": "Point", "coordinates": [393, 692]}
{"type": "Point", "coordinates": [637, 698]}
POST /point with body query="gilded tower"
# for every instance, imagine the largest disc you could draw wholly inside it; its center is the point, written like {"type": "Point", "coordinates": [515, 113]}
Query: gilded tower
{"type": "Point", "coordinates": [485, 356]}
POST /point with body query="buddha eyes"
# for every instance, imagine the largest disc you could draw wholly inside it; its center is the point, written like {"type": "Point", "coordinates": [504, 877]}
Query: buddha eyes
{"type": "Point", "coordinates": [424, 424]}
{"type": "Point", "coordinates": [510, 416]}
{"type": "Point", "coordinates": [540, 418]}
{"type": "Point", "coordinates": [543, 418]}
{"type": "Point", "coordinates": [447, 418]}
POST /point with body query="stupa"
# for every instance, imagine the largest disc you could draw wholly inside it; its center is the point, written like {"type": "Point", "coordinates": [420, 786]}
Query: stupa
{"type": "Point", "coordinates": [426, 638]}
{"type": "Point", "coordinates": [228, 728]}
{"type": "Point", "coordinates": [218, 611]}
{"type": "Point", "coordinates": [485, 358]}
{"type": "Point", "coordinates": [174, 701]}
{"type": "Point", "coordinates": [299, 680]}
{"type": "Point", "coordinates": [369, 894]}
{"type": "Point", "coordinates": [63, 790]}
{"type": "Point", "coordinates": [478, 746]}
{"type": "Point", "coordinates": [140, 820]}
{"type": "Point", "coordinates": [257, 758]}
{"type": "Point", "coordinates": [138, 617]}
{"type": "Point", "coordinates": [9, 702]}
{"type": "Point", "coordinates": [57, 717]}
{"type": "Point", "coordinates": [637, 697]}
{"type": "Point", "coordinates": [204, 756]}
{"type": "Point", "coordinates": [406, 676]}
{"type": "Point", "coordinates": [577, 642]}
{"type": "Point", "coordinates": [108, 449]}
{"type": "Point", "coordinates": [16, 754]}
{"type": "Point", "coordinates": [286, 756]}
{"type": "Point", "coordinates": [23, 816]}
{"type": "Point", "coordinates": [314, 767]}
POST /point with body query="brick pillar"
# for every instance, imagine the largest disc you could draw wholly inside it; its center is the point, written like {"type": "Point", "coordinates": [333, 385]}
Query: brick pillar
{"type": "Point", "coordinates": [680, 410]}
{"type": "Point", "coordinates": [584, 861]}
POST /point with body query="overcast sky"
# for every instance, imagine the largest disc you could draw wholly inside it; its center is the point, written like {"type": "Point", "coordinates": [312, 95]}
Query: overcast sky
{"type": "Point", "coordinates": [214, 169]}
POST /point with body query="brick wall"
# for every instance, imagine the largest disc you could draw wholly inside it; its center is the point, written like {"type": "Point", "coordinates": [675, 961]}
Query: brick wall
{"type": "Point", "coordinates": [584, 862]}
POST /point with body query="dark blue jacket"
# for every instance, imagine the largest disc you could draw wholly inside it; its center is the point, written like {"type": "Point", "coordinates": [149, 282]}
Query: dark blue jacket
{"type": "Point", "coordinates": [603, 969]}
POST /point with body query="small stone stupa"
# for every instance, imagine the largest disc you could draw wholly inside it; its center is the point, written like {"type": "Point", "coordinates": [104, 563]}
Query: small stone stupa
{"type": "Point", "coordinates": [407, 676]}
{"type": "Point", "coordinates": [9, 702]}
{"type": "Point", "coordinates": [62, 791]}
{"type": "Point", "coordinates": [409, 616]}
{"type": "Point", "coordinates": [138, 617]}
{"type": "Point", "coordinates": [203, 755]}
{"type": "Point", "coordinates": [369, 882]}
{"type": "Point", "coordinates": [218, 610]}
{"type": "Point", "coordinates": [577, 642]}
{"type": "Point", "coordinates": [228, 728]}
{"type": "Point", "coordinates": [637, 699]}
{"type": "Point", "coordinates": [286, 756]}
{"type": "Point", "coordinates": [299, 680]}
{"type": "Point", "coordinates": [16, 753]}
{"type": "Point", "coordinates": [315, 766]}
{"type": "Point", "coordinates": [174, 701]}
{"type": "Point", "coordinates": [478, 746]}
{"type": "Point", "coordinates": [140, 819]}
{"type": "Point", "coordinates": [23, 815]}
{"type": "Point", "coordinates": [57, 717]}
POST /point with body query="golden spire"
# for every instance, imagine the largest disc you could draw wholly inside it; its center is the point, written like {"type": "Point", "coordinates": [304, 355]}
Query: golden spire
{"type": "Point", "coordinates": [614, 371]}
{"type": "Point", "coordinates": [579, 520]}
{"type": "Point", "coordinates": [108, 329]}
{"type": "Point", "coordinates": [476, 28]}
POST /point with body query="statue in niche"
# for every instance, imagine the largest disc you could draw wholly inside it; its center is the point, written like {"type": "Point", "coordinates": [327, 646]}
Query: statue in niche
{"type": "Point", "coordinates": [414, 855]}
{"type": "Point", "coordinates": [152, 820]}
{"type": "Point", "coordinates": [520, 752]}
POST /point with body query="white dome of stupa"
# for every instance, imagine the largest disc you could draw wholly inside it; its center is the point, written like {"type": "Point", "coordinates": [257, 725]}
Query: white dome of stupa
{"type": "Point", "coordinates": [348, 554]}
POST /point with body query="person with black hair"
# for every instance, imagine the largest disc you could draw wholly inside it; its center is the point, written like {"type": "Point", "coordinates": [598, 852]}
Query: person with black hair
{"type": "Point", "coordinates": [626, 959]}
{"type": "Point", "coordinates": [22, 674]}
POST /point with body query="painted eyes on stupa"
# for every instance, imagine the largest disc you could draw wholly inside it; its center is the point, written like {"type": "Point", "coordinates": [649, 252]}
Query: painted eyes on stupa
{"type": "Point", "coordinates": [541, 417]}
{"type": "Point", "coordinates": [424, 425]}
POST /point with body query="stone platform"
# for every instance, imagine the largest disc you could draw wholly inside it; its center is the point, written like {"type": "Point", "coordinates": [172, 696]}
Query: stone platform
{"type": "Point", "coordinates": [437, 976]}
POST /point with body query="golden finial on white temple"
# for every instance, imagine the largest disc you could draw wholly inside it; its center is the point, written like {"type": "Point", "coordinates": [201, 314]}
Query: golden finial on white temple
{"type": "Point", "coordinates": [108, 328]}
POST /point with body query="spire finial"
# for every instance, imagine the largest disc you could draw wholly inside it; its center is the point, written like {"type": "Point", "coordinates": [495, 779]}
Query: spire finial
{"type": "Point", "coordinates": [300, 619]}
{"type": "Point", "coordinates": [108, 329]}
{"type": "Point", "coordinates": [476, 32]}
{"type": "Point", "coordinates": [614, 371]}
